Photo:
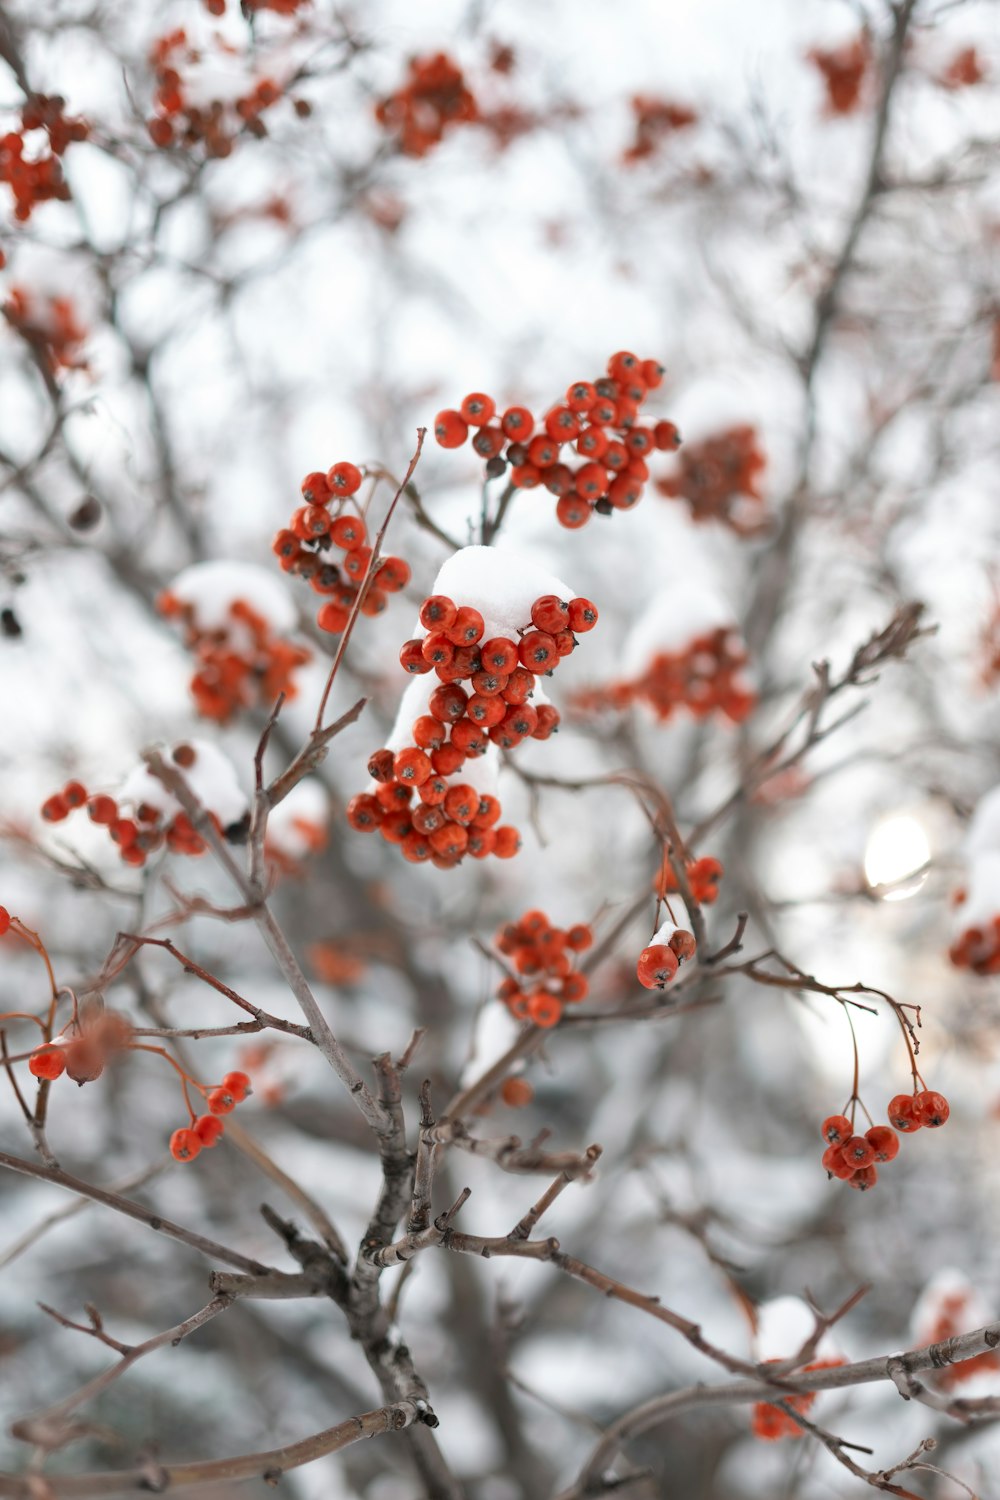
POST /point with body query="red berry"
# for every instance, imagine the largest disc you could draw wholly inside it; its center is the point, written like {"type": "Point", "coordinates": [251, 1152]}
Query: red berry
{"type": "Point", "coordinates": [55, 808]}
{"type": "Point", "coordinates": [477, 409]}
{"type": "Point", "coordinates": [380, 765]}
{"type": "Point", "coordinates": [666, 437]}
{"type": "Point", "coordinates": [438, 612]}
{"type": "Point", "coordinates": [550, 613]}
{"type": "Point", "coordinates": [508, 842]}
{"type": "Point", "coordinates": [4, 921]}
{"type": "Point", "coordinates": [332, 617]}
{"type": "Point", "coordinates": [447, 703]}
{"type": "Point", "coordinates": [184, 1145]}
{"type": "Point", "coordinates": [902, 1113]}
{"type": "Point", "coordinates": [348, 532]}
{"type": "Point", "coordinates": [498, 655]}
{"type": "Point", "coordinates": [394, 573]}
{"type": "Point", "coordinates": [591, 481]}
{"type": "Point", "coordinates": [537, 651]}
{"type": "Point", "coordinates": [835, 1164]}
{"type": "Point", "coordinates": [517, 423]}
{"type": "Point", "coordinates": [836, 1130]}
{"type": "Point", "coordinates": [412, 766]}
{"type": "Point", "coordinates": [581, 396]}
{"type": "Point", "coordinates": [47, 1062]}
{"type": "Point", "coordinates": [221, 1101]}
{"type": "Point", "coordinates": [657, 966]}
{"type": "Point", "coordinates": [344, 479]}
{"type": "Point", "coordinates": [467, 627]}
{"type": "Point", "coordinates": [932, 1109]}
{"type": "Point", "coordinates": [544, 1009]}
{"type": "Point", "coordinates": [364, 813]}
{"type": "Point", "coordinates": [74, 793]}
{"type": "Point", "coordinates": [102, 809]}
{"type": "Point", "coordinates": [857, 1152]}
{"type": "Point", "coordinates": [316, 488]}
{"type": "Point", "coordinates": [884, 1142]}
{"type": "Point", "coordinates": [209, 1130]}
{"type": "Point", "coordinates": [411, 657]}
{"type": "Point", "coordinates": [450, 429]}
{"type": "Point", "coordinates": [582, 615]}
{"type": "Point", "coordinates": [572, 511]}
{"type": "Point", "coordinates": [864, 1178]}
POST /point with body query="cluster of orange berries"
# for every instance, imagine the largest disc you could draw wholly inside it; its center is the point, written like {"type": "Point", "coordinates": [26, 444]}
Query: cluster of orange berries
{"type": "Point", "coordinates": [703, 877]}
{"type": "Point", "coordinates": [655, 120]}
{"type": "Point", "coordinates": [720, 480]}
{"type": "Point", "coordinates": [599, 418]}
{"type": "Point", "coordinates": [215, 126]}
{"type": "Point", "coordinates": [844, 70]}
{"type": "Point", "coordinates": [323, 522]}
{"type": "Point", "coordinates": [52, 329]}
{"type": "Point", "coordinates": [543, 956]}
{"type": "Point", "coordinates": [770, 1422]}
{"type": "Point", "coordinates": [39, 179]}
{"type": "Point", "coordinates": [965, 70]}
{"type": "Point", "coordinates": [854, 1158]}
{"type": "Point", "coordinates": [237, 668]}
{"type": "Point", "coordinates": [206, 1131]}
{"type": "Point", "coordinates": [978, 947]}
{"type": "Point", "coordinates": [137, 836]}
{"type": "Point", "coordinates": [951, 1320]}
{"type": "Point", "coordinates": [434, 97]}
{"type": "Point", "coordinates": [453, 819]}
{"type": "Point", "coordinates": [703, 678]}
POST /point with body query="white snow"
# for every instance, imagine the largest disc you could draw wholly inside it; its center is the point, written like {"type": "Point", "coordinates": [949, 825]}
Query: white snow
{"type": "Point", "coordinates": [210, 588]}
{"type": "Point", "coordinates": [211, 778]}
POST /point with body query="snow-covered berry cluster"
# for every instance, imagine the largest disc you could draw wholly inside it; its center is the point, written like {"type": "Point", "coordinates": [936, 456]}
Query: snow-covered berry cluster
{"type": "Point", "coordinates": [32, 169]}
{"type": "Point", "coordinates": [144, 817]}
{"type": "Point", "coordinates": [607, 467]}
{"type": "Point", "coordinates": [50, 326]}
{"type": "Point", "coordinates": [976, 944]}
{"type": "Point", "coordinates": [543, 957]}
{"type": "Point", "coordinates": [183, 117]}
{"type": "Point", "coordinates": [329, 519]}
{"type": "Point", "coordinates": [855, 1158]}
{"type": "Point", "coordinates": [667, 949]}
{"type": "Point", "coordinates": [720, 480]}
{"type": "Point", "coordinates": [433, 793]}
{"type": "Point", "coordinates": [771, 1423]}
{"type": "Point", "coordinates": [236, 619]}
{"type": "Point", "coordinates": [655, 121]}
{"type": "Point", "coordinates": [434, 97]}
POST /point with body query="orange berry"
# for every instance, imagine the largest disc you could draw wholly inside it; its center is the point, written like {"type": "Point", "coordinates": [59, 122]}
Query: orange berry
{"type": "Point", "coordinates": [184, 1145]}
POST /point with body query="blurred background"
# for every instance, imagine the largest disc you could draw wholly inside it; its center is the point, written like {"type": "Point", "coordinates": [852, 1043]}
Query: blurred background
{"type": "Point", "coordinates": [265, 251]}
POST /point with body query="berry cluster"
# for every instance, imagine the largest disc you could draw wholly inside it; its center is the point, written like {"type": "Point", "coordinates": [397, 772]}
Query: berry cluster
{"type": "Point", "coordinates": [659, 962]}
{"type": "Point", "coordinates": [978, 947]}
{"type": "Point", "coordinates": [704, 678]}
{"type": "Point", "coordinates": [543, 957]}
{"type": "Point", "coordinates": [143, 831]}
{"type": "Point", "coordinates": [242, 664]}
{"type": "Point", "coordinates": [434, 97]}
{"type": "Point", "coordinates": [770, 1422]}
{"type": "Point", "coordinates": [206, 1131]}
{"type": "Point", "coordinates": [844, 70]}
{"type": "Point", "coordinates": [854, 1158]}
{"type": "Point", "coordinates": [965, 70]}
{"type": "Point", "coordinates": [39, 179]}
{"type": "Point", "coordinates": [719, 478]}
{"type": "Point", "coordinates": [599, 419]}
{"type": "Point", "coordinates": [954, 1314]}
{"type": "Point", "coordinates": [655, 120]}
{"type": "Point", "coordinates": [50, 328]}
{"type": "Point", "coordinates": [703, 879]}
{"type": "Point", "coordinates": [325, 521]}
{"type": "Point", "coordinates": [214, 126]}
{"type": "Point", "coordinates": [452, 818]}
